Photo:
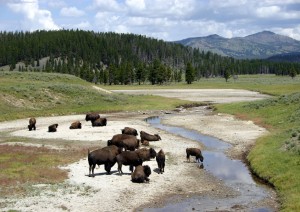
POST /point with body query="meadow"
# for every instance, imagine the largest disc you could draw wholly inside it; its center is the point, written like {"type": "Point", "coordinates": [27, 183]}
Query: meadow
{"type": "Point", "coordinates": [275, 157]}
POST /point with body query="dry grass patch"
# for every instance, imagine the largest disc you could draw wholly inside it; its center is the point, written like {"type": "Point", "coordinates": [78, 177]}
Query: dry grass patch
{"type": "Point", "coordinates": [26, 165]}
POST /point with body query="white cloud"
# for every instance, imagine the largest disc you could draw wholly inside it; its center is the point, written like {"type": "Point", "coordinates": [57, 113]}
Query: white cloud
{"type": "Point", "coordinates": [136, 4]}
{"type": "Point", "coordinates": [35, 18]}
{"type": "Point", "coordinates": [71, 12]}
{"type": "Point", "coordinates": [265, 12]}
{"type": "Point", "coordinates": [107, 5]}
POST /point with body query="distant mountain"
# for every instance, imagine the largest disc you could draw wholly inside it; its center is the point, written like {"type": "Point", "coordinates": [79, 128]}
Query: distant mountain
{"type": "Point", "coordinates": [257, 46]}
{"type": "Point", "coordinates": [286, 57]}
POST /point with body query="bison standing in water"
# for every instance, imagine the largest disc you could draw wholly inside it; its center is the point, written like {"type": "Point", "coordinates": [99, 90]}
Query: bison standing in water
{"type": "Point", "coordinates": [32, 122]}
{"type": "Point", "coordinates": [149, 137]}
{"type": "Point", "coordinates": [194, 152]}
{"type": "Point", "coordinates": [160, 159]}
{"type": "Point", "coordinates": [92, 117]}
{"type": "Point", "coordinates": [129, 131]}
{"type": "Point", "coordinates": [75, 125]}
{"type": "Point", "coordinates": [141, 174]}
{"type": "Point", "coordinates": [52, 128]}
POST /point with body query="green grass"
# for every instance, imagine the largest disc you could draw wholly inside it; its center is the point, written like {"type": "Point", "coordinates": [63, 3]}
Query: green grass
{"type": "Point", "coordinates": [269, 84]}
{"type": "Point", "coordinates": [24, 95]}
{"type": "Point", "coordinates": [275, 157]}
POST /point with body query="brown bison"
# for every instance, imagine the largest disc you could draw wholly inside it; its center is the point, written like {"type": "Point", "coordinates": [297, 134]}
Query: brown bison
{"type": "Point", "coordinates": [129, 131]}
{"type": "Point", "coordinates": [160, 159]}
{"type": "Point", "coordinates": [106, 156]}
{"type": "Point", "coordinates": [141, 174]}
{"type": "Point", "coordinates": [119, 138]}
{"type": "Point", "coordinates": [194, 152]}
{"type": "Point", "coordinates": [75, 125]}
{"type": "Point", "coordinates": [92, 117]}
{"type": "Point", "coordinates": [146, 154]}
{"type": "Point", "coordinates": [100, 122]}
{"type": "Point", "coordinates": [32, 122]}
{"type": "Point", "coordinates": [131, 144]}
{"type": "Point", "coordinates": [145, 143]}
{"type": "Point", "coordinates": [149, 137]}
{"type": "Point", "coordinates": [128, 158]}
{"type": "Point", "coordinates": [52, 128]}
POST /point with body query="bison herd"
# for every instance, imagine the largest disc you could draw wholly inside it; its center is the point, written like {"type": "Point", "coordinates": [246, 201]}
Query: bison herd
{"type": "Point", "coordinates": [124, 149]}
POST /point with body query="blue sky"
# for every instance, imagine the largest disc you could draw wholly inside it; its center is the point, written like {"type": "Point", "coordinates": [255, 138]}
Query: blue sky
{"type": "Point", "coordinates": [169, 20]}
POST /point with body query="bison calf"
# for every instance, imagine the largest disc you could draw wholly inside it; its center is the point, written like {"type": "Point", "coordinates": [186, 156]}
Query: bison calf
{"type": "Point", "coordinates": [194, 152]}
{"type": "Point", "coordinates": [160, 159]}
{"type": "Point", "coordinates": [141, 174]}
{"type": "Point", "coordinates": [75, 125]}
{"type": "Point", "coordinates": [52, 128]}
{"type": "Point", "coordinates": [129, 131]}
{"type": "Point", "coordinates": [149, 137]}
{"type": "Point", "coordinates": [32, 122]}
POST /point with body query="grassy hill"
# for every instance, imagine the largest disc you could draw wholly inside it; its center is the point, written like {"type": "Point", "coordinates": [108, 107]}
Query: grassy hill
{"type": "Point", "coordinates": [25, 94]}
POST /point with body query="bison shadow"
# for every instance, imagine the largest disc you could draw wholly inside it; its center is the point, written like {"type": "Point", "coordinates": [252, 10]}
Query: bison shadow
{"type": "Point", "coordinates": [102, 173]}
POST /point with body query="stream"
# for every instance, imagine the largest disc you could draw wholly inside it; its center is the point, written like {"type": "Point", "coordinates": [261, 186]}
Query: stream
{"type": "Point", "coordinates": [233, 173]}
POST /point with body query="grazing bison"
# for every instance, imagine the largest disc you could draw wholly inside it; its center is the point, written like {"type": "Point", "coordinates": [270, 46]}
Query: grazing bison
{"type": "Point", "coordinates": [149, 137]}
{"type": "Point", "coordinates": [100, 122]}
{"type": "Point", "coordinates": [119, 138]}
{"type": "Point", "coordinates": [194, 152]}
{"type": "Point", "coordinates": [106, 156]}
{"type": "Point", "coordinates": [129, 131]}
{"type": "Point", "coordinates": [146, 154]}
{"type": "Point", "coordinates": [75, 125]}
{"type": "Point", "coordinates": [145, 143]}
{"type": "Point", "coordinates": [131, 144]}
{"type": "Point", "coordinates": [128, 158]}
{"type": "Point", "coordinates": [92, 117]}
{"type": "Point", "coordinates": [32, 122]}
{"type": "Point", "coordinates": [141, 174]}
{"type": "Point", "coordinates": [160, 159]}
{"type": "Point", "coordinates": [52, 128]}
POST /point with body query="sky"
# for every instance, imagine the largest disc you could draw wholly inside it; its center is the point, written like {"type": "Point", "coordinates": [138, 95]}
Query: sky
{"type": "Point", "coordinates": [169, 20]}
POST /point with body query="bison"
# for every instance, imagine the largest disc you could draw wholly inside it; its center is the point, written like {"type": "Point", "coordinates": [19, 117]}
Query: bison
{"type": "Point", "coordinates": [160, 159]}
{"type": "Point", "coordinates": [128, 158]}
{"type": "Point", "coordinates": [52, 128]}
{"type": "Point", "coordinates": [32, 122]}
{"type": "Point", "coordinates": [145, 143]}
{"type": "Point", "coordinates": [141, 174]}
{"type": "Point", "coordinates": [130, 144]}
{"type": "Point", "coordinates": [149, 137]}
{"type": "Point", "coordinates": [75, 125]}
{"type": "Point", "coordinates": [100, 122]}
{"type": "Point", "coordinates": [119, 138]}
{"type": "Point", "coordinates": [129, 131]}
{"type": "Point", "coordinates": [106, 156]}
{"type": "Point", "coordinates": [194, 152]}
{"type": "Point", "coordinates": [92, 117]}
{"type": "Point", "coordinates": [146, 154]}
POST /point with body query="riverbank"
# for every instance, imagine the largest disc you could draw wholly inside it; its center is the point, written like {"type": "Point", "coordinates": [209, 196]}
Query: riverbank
{"type": "Point", "coordinates": [116, 192]}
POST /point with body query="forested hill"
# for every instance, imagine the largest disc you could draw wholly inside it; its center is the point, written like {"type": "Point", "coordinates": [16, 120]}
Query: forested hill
{"type": "Point", "coordinates": [113, 58]}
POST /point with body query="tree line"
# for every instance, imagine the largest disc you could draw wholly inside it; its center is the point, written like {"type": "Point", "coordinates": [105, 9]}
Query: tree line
{"type": "Point", "coordinates": [112, 58]}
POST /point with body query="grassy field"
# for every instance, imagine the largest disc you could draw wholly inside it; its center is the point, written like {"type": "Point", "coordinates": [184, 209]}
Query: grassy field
{"type": "Point", "coordinates": [275, 158]}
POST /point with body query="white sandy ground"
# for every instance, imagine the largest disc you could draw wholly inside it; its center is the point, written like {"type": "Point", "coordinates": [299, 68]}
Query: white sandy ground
{"type": "Point", "coordinates": [115, 192]}
{"type": "Point", "coordinates": [202, 95]}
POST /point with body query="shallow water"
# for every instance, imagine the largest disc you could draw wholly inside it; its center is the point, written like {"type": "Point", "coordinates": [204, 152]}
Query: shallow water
{"type": "Point", "coordinates": [234, 173]}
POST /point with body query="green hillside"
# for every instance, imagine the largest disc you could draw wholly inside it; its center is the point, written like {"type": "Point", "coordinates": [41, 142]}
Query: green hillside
{"type": "Point", "coordinates": [43, 94]}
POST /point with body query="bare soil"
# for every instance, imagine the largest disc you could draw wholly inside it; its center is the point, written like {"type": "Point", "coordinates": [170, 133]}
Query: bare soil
{"type": "Point", "coordinates": [116, 192]}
